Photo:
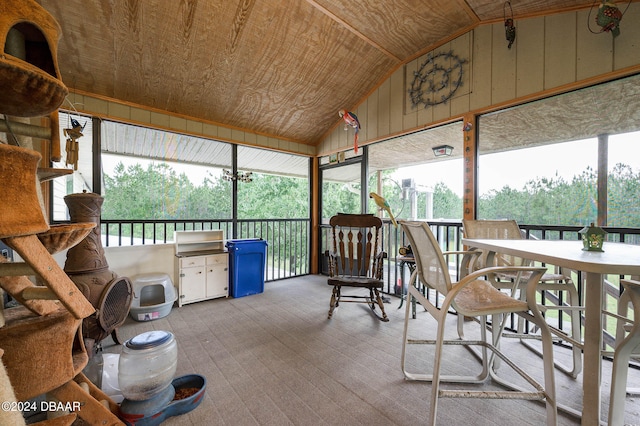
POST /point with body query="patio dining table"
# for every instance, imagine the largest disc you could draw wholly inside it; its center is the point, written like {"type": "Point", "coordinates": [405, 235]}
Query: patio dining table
{"type": "Point", "coordinates": [617, 258]}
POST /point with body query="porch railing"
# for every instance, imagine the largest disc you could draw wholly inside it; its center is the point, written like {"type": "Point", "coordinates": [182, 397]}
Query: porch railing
{"type": "Point", "coordinates": [287, 239]}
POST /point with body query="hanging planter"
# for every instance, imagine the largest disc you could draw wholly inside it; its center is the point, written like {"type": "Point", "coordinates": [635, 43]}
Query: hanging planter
{"type": "Point", "coordinates": [608, 18]}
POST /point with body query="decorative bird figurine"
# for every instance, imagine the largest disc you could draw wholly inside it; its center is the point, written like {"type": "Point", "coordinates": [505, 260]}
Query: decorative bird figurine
{"type": "Point", "coordinates": [510, 31]}
{"type": "Point", "coordinates": [350, 119]}
{"type": "Point", "coordinates": [384, 205]}
{"type": "Point", "coordinates": [609, 17]}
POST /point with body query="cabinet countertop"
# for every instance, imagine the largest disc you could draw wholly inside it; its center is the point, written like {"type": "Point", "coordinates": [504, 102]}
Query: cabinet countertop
{"type": "Point", "coordinates": [200, 253]}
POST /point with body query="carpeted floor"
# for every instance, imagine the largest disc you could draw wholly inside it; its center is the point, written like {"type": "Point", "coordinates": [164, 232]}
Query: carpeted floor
{"type": "Point", "coordinates": [275, 359]}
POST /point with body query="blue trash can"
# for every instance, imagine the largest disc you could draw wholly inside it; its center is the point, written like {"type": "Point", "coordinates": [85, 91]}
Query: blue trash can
{"type": "Point", "coordinates": [247, 262]}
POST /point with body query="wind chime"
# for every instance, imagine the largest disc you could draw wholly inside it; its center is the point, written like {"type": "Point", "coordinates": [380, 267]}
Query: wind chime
{"type": "Point", "coordinates": [73, 134]}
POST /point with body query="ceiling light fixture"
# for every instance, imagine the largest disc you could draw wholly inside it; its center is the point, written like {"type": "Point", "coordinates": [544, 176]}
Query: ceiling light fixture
{"type": "Point", "coordinates": [442, 150]}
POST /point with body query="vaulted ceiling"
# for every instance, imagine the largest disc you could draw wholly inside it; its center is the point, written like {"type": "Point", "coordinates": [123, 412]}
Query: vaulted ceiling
{"type": "Point", "coordinates": [282, 68]}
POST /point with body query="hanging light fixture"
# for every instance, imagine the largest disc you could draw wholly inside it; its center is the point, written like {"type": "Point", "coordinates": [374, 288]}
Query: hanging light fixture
{"type": "Point", "coordinates": [239, 176]}
{"type": "Point", "coordinates": [442, 150]}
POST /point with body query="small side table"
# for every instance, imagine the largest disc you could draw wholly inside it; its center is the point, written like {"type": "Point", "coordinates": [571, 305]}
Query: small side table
{"type": "Point", "coordinates": [410, 263]}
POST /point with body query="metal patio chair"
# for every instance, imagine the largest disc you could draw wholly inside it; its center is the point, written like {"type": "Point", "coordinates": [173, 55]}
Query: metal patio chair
{"type": "Point", "coordinates": [627, 346]}
{"type": "Point", "coordinates": [356, 261]}
{"type": "Point", "coordinates": [472, 297]}
{"type": "Point", "coordinates": [559, 281]}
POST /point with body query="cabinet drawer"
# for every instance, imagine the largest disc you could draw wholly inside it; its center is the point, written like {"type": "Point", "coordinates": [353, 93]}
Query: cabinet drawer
{"type": "Point", "coordinates": [221, 259]}
{"type": "Point", "coordinates": [189, 262]}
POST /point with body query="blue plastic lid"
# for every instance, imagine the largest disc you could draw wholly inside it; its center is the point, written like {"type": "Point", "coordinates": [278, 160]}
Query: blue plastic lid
{"type": "Point", "coordinates": [150, 339]}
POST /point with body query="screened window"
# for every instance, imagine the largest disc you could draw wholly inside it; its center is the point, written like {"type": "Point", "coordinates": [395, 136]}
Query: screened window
{"type": "Point", "coordinates": [416, 183]}
{"type": "Point", "coordinates": [539, 162]}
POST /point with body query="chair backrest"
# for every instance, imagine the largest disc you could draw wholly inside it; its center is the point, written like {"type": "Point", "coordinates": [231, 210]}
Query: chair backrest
{"type": "Point", "coordinates": [495, 230]}
{"type": "Point", "coordinates": [356, 245]}
{"type": "Point", "coordinates": [491, 229]}
{"type": "Point", "coordinates": [430, 263]}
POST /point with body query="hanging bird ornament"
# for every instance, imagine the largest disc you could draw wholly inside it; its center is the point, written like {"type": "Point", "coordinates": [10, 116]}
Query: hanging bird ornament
{"type": "Point", "coordinates": [72, 145]}
{"type": "Point", "coordinates": [384, 205]}
{"type": "Point", "coordinates": [609, 17]}
{"type": "Point", "coordinates": [350, 119]}
{"type": "Point", "coordinates": [509, 27]}
{"type": "Point", "coordinates": [510, 32]}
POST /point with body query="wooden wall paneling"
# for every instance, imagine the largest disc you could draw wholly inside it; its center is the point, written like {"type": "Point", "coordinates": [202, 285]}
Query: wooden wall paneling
{"type": "Point", "coordinates": [529, 47]}
{"type": "Point", "coordinates": [441, 111]}
{"type": "Point", "coordinates": [363, 115]}
{"type": "Point", "coordinates": [410, 119]}
{"type": "Point", "coordinates": [331, 142]}
{"type": "Point", "coordinates": [462, 47]}
{"type": "Point", "coordinates": [425, 115]}
{"type": "Point", "coordinates": [384, 106]}
{"type": "Point", "coordinates": [140, 115]}
{"type": "Point", "coordinates": [160, 120]}
{"type": "Point", "coordinates": [237, 135]}
{"type": "Point", "coordinates": [397, 101]}
{"type": "Point", "coordinates": [594, 54]}
{"type": "Point", "coordinates": [177, 123]}
{"type": "Point", "coordinates": [503, 66]}
{"type": "Point", "coordinates": [281, 144]}
{"type": "Point", "coordinates": [118, 110]}
{"type": "Point", "coordinates": [627, 45]}
{"type": "Point", "coordinates": [560, 50]}
{"type": "Point", "coordinates": [195, 127]}
{"type": "Point", "coordinates": [210, 129]}
{"type": "Point", "coordinates": [261, 140]}
{"type": "Point", "coordinates": [224, 133]}
{"type": "Point", "coordinates": [252, 138]}
{"type": "Point", "coordinates": [97, 106]}
{"type": "Point", "coordinates": [372, 116]}
{"type": "Point", "coordinates": [481, 78]}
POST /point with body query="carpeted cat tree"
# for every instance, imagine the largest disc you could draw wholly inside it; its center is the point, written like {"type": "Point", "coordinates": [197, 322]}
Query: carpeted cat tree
{"type": "Point", "coordinates": [41, 339]}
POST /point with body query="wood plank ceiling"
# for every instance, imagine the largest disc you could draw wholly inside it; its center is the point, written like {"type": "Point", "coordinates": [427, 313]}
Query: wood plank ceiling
{"type": "Point", "coordinates": [282, 68]}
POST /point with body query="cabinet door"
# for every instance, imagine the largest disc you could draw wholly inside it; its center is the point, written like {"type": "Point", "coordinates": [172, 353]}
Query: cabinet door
{"type": "Point", "coordinates": [192, 284]}
{"type": "Point", "coordinates": [217, 275]}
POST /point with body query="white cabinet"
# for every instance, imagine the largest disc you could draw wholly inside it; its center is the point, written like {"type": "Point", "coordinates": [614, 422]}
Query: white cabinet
{"type": "Point", "coordinates": [202, 266]}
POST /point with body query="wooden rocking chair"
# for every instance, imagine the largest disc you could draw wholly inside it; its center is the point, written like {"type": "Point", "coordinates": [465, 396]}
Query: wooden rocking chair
{"type": "Point", "coordinates": [356, 260]}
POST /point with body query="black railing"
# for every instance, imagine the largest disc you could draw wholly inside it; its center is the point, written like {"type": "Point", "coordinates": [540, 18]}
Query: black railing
{"type": "Point", "coordinates": [288, 245]}
{"type": "Point", "coordinates": [287, 239]}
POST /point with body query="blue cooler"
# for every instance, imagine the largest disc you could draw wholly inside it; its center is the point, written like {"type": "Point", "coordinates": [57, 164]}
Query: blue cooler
{"type": "Point", "coordinates": [247, 262]}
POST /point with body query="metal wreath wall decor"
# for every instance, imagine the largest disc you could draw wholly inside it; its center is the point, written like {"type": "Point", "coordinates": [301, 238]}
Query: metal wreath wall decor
{"type": "Point", "coordinates": [437, 80]}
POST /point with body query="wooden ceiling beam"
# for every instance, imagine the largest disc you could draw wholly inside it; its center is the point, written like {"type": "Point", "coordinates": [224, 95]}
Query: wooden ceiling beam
{"type": "Point", "coordinates": [353, 30]}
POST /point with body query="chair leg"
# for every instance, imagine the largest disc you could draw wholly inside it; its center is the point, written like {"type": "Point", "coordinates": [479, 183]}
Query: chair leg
{"type": "Point", "coordinates": [576, 367]}
{"type": "Point", "coordinates": [621, 356]}
{"type": "Point", "coordinates": [378, 299]}
{"type": "Point", "coordinates": [619, 382]}
{"type": "Point", "coordinates": [549, 377]}
{"type": "Point", "coordinates": [335, 297]}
